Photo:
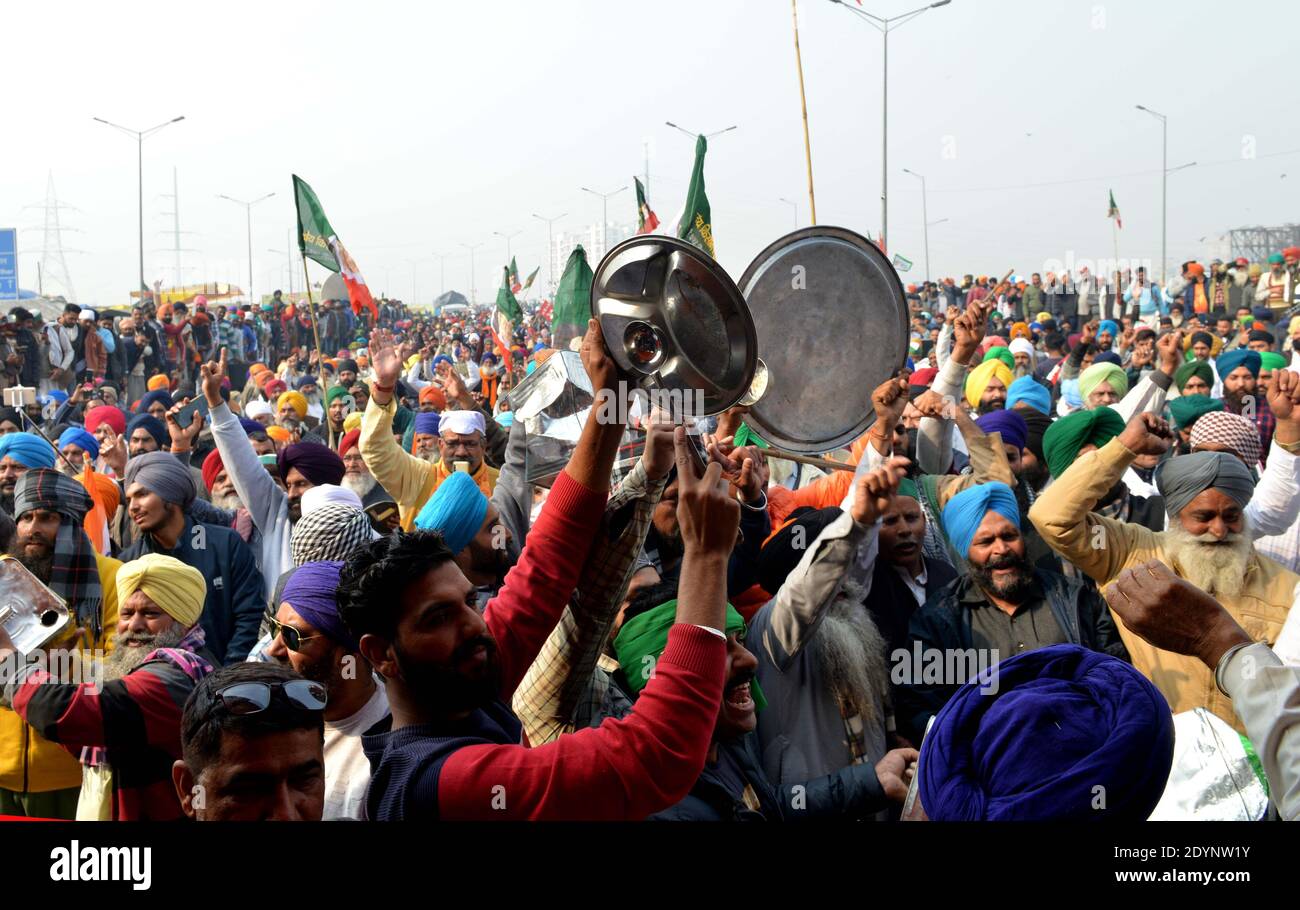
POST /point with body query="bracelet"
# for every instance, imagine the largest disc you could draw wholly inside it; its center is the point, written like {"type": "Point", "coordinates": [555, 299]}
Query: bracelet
{"type": "Point", "coordinates": [1223, 664]}
{"type": "Point", "coordinates": [758, 508]}
{"type": "Point", "coordinates": [384, 388]}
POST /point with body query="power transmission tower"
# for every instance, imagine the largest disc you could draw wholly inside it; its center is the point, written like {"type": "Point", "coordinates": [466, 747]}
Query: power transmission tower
{"type": "Point", "coordinates": [53, 267]}
{"type": "Point", "coordinates": [176, 232]}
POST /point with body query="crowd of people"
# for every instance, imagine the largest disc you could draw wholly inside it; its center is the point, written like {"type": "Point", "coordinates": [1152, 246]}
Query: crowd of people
{"type": "Point", "coordinates": [310, 576]}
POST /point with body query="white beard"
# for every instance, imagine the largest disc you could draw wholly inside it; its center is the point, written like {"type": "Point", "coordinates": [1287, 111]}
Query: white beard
{"type": "Point", "coordinates": [851, 653]}
{"type": "Point", "coordinates": [230, 501]}
{"type": "Point", "coordinates": [361, 484]}
{"type": "Point", "coordinates": [1215, 568]}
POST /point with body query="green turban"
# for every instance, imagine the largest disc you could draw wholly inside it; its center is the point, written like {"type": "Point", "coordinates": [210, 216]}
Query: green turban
{"type": "Point", "coordinates": [1271, 360]}
{"type": "Point", "coordinates": [644, 637]}
{"type": "Point", "coordinates": [1065, 437]}
{"type": "Point", "coordinates": [1001, 353]}
{"type": "Point", "coordinates": [907, 487]}
{"type": "Point", "coordinates": [1193, 368]}
{"type": "Point", "coordinates": [1185, 409]}
{"type": "Point", "coordinates": [335, 391]}
{"type": "Point", "coordinates": [1098, 373]}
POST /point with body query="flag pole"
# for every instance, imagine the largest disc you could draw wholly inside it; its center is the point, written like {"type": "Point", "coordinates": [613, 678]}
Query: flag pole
{"type": "Point", "coordinates": [315, 331]}
{"type": "Point", "coordinates": [803, 102]}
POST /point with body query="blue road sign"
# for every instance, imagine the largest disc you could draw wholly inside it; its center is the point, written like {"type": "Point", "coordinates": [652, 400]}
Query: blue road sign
{"type": "Point", "coordinates": [8, 264]}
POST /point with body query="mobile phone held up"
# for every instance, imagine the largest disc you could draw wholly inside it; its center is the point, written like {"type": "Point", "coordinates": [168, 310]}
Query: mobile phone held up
{"type": "Point", "coordinates": [185, 416]}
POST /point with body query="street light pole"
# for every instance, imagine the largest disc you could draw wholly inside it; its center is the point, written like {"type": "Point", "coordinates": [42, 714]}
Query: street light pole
{"type": "Point", "coordinates": [604, 216]}
{"type": "Point", "coordinates": [692, 136]}
{"type": "Point", "coordinates": [924, 221]}
{"type": "Point", "coordinates": [473, 292]}
{"type": "Point", "coordinates": [140, 136]}
{"type": "Point", "coordinates": [248, 215]}
{"type": "Point", "coordinates": [550, 243]}
{"type": "Point", "coordinates": [508, 238]}
{"type": "Point", "coordinates": [1164, 185]}
{"type": "Point", "coordinates": [885, 26]}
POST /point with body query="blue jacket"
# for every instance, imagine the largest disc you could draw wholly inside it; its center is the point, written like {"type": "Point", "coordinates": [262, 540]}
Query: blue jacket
{"type": "Point", "coordinates": [232, 612]}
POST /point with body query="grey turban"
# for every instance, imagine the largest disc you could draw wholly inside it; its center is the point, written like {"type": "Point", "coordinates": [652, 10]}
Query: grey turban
{"type": "Point", "coordinates": [1184, 477]}
{"type": "Point", "coordinates": [165, 474]}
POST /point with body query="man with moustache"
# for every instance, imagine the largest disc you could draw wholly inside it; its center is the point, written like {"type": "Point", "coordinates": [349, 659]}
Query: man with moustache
{"type": "Point", "coordinates": [338, 405]}
{"type": "Point", "coordinates": [38, 777]}
{"type": "Point", "coordinates": [20, 453]}
{"type": "Point", "coordinates": [1208, 541]}
{"type": "Point", "coordinates": [310, 637]}
{"type": "Point", "coordinates": [127, 727]}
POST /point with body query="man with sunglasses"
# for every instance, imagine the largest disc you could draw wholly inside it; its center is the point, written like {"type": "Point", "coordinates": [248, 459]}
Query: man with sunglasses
{"type": "Point", "coordinates": [126, 723]}
{"type": "Point", "coordinates": [251, 741]}
{"type": "Point", "coordinates": [309, 636]}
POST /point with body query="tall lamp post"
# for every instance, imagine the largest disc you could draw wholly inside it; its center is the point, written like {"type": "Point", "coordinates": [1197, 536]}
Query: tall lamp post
{"type": "Point", "coordinates": [248, 215]}
{"type": "Point", "coordinates": [885, 26]}
{"type": "Point", "coordinates": [550, 246]}
{"type": "Point", "coordinates": [508, 238]}
{"type": "Point", "coordinates": [140, 136]}
{"type": "Point", "coordinates": [473, 292]}
{"type": "Point", "coordinates": [924, 221]}
{"type": "Point", "coordinates": [604, 216]}
{"type": "Point", "coordinates": [682, 129]}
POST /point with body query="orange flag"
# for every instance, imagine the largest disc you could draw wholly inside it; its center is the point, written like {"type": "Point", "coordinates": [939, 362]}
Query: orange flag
{"type": "Point", "coordinates": [103, 493]}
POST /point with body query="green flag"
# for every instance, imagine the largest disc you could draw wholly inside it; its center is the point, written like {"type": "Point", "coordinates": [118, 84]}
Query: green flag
{"type": "Point", "coordinates": [314, 229]}
{"type": "Point", "coordinates": [512, 277]}
{"type": "Point", "coordinates": [696, 225]}
{"type": "Point", "coordinates": [531, 275]}
{"type": "Point", "coordinates": [572, 301]}
{"type": "Point", "coordinates": [506, 302]}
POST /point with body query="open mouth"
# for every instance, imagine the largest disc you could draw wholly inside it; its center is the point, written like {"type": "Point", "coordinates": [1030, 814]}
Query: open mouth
{"type": "Point", "coordinates": [740, 698]}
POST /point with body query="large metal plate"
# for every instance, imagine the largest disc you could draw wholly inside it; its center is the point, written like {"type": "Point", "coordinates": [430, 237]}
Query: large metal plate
{"type": "Point", "coordinates": [705, 339]}
{"type": "Point", "coordinates": [832, 325]}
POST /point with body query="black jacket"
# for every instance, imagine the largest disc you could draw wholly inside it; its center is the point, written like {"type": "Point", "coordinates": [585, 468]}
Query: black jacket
{"type": "Point", "coordinates": [850, 793]}
{"type": "Point", "coordinates": [944, 624]}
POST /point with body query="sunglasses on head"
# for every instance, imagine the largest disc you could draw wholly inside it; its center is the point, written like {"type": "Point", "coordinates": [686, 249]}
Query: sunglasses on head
{"type": "Point", "coordinates": [254, 697]}
{"type": "Point", "coordinates": [293, 639]}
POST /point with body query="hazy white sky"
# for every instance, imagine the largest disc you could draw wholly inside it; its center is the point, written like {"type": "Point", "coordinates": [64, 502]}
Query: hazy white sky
{"type": "Point", "coordinates": [423, 126]}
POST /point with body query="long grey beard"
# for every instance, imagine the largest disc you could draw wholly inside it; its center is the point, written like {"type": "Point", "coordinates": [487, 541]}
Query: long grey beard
{"type": "Point", "coordinates": [1215, 568]}
{"type": "Point", "coordinates": [230, 502]}
{"type": "Point", "coordinates": [361, 484]}
{"type": "Point", "coordinates": [122, 660]}
{"type": "Point", "coordinates": [851, 653]}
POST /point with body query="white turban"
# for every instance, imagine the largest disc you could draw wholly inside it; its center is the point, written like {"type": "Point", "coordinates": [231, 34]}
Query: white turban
{"type": "Point", "coordinates": [462, 422]}
{"type": "Point", "coordinates": [1022, 346]}
{"type": "Point", "coordinates": [257, 408]}
{"type": "Point", "coordinates": [326, 493]}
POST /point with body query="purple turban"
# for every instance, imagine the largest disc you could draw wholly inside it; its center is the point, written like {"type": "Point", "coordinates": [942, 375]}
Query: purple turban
{"type": "Point", "coordinates": [312, 593]}
{"type": "Point", "coordinates": [319, 464]}
{"type": "Point", "coordinates": [426, 423]}
{"type": "Point", "coordinates": [1014, 430]}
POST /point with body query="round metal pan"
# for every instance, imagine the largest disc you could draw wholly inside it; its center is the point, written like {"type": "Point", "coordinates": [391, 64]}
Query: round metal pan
{"type": "Point", "coordinates": [832, 324]}
{"type": "Point", "coordinates": [674, 319]}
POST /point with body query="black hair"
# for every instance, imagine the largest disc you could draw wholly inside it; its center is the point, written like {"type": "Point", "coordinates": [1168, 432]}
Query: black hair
{"type": "Point", "coordinates": [648, 598]}
{"type": "Point", "coordinates": [1054, 341]}
{"type": "Point", "coordinates": [206, 718]}
{"type": "Point", "coordinates": [374, 577]}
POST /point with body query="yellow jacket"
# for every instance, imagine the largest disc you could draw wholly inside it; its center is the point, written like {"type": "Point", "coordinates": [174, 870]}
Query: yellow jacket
{"type": "Point", "coordinates": [1104, 547]}
{"type": "Point", "coordinates": [409, 480]}
{"type": "Point", "coordinates": [29, 762]}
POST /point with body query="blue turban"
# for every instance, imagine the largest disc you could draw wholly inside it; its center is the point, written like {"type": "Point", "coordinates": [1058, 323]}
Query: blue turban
{"type": "Point", "coordinates": [1107, 357]}
{"type": "Point", "coordinates": [1238, 357]}
{"type": "Point", "coordinates": [1012, 427]}
{"type": "Point", "coordinates": [79, 437]}
{"type": "Point", "coordinates": [1070, 393]}
{"type": "Point", "coordinates": [152, 425]}
{"type": "Point", "coordinates": [456, 510]}
{"type": "Point", "coordinates": [1062, 722]}
{"type": "Point", "coordinates": [147, 401]}
{"type": "Point", "coordinates": [964, 512]}
{"type": "Point", "coordinates": [1031, 392]}
{"type": "Point", "coordinates": [302, 381]}
{"type": "Point", "coordinates": [27, 449]}
{"type": "Point", "coordinates": [426, 423]}
{"type": "Point", "coordinates": [1108, 325]}
{"type": "Point", "coordinates": [442, 358]}
{"type": "Point", "coordinates": [251, 426]}
{"type": "Point", "coordinates": [312, 593]}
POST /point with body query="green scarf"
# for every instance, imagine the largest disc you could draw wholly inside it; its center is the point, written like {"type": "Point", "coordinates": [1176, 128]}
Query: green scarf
{"type": "Point", "coordinates": [645, 636]}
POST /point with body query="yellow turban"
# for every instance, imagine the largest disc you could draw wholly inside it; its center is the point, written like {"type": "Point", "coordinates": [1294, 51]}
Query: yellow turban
{"type": "Point", "coordinates": [1043, 316]}
{"type": "Point", "coordinates": [978, 380]}
{"type": "Point", "coordinates": [1294, 324]}
{"type": "Point", "coordinates": [158, 381]}
{"type": "Point", "coordinates": [178, 590]}
{"type": "Point", "coordinates": [1020, 330]}
{"type": "Point", "coordinates": [352, 422]}
{"type": "Point", "coordinates": [296, 399]}
{"type": "Point", "coordinates": [1098, 373]}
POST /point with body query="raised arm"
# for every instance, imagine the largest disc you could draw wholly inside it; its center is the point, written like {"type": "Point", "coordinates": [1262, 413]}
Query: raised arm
{"type": "Point", "coordinates": [1148, 394]}
{"type": "Point", "coordinates": [1275, 506]}
{"type": "Point", "coordinates": [403, 475]}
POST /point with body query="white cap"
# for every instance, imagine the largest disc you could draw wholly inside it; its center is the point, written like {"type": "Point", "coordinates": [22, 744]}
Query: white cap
{"type": "Point", "coordinates": [462, 422]}
{"type": "Point", "coordinates": [326, 493]}
{"type": "Point", "coordinates": [87, 315]}
{"type": "Point", "coordinates": [258, 408]}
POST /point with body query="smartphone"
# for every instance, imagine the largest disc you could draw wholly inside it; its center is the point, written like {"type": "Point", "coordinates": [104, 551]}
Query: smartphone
{"type": "Point", "coordinates": [185, 416]}
{"type": "Point", "coordinates": [461, 466]}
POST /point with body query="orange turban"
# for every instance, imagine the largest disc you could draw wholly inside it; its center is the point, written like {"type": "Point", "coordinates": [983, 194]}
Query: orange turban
{"type": "Point", "coordinates": [158, 381]}
{"type": "Point", "coordinates": [278, 433]}
{"type": "Point", "coordinates": [1196, 270]}
{"type": "Point", "coordinates": [104, 490]}
{"type": "Point", "coordinates": [435, 396]}
{"type": "Point", "coordinates": [1020, 330]}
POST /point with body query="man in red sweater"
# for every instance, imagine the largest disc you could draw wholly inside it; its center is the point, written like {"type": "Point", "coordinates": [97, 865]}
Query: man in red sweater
{"type": "Point", "coordinates": [455, 750]}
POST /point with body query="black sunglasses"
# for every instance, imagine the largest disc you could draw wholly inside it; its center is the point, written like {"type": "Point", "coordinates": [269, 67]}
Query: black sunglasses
{"type": "Point", "coordinates": [254, 697]}
{"type": "Point", "coordinates": [293, 639]}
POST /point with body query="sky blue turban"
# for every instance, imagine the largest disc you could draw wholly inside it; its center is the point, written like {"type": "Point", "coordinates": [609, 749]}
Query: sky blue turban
{"type": "Point", "coordinates": [27, 449]}
{"type": "Point", "coordinates": [1012, 427]}
{"type": "Point", "coordinates": [1062, 722]}
{"type": "Point", "coordinates": [456, 510]}
{"type": "Point", "coordinates": [155, 428]}
{"type": "Point", "coordinates": [1031, 392]}
{"type": "Point", "coordinates": [426, 423]}
{"type": "Point", "coordinates": [312, 593]}
{"type": "Point", "coordinates": [1108, 325]}
{"type": "Point", "coordinates": [964, 512]}
{"type": "Point", "coordinates": [148, 399]}
{"type": "Point", "coordinates": [79, 437]}
{"type": "Point", "coordinates": [1238, 357]}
